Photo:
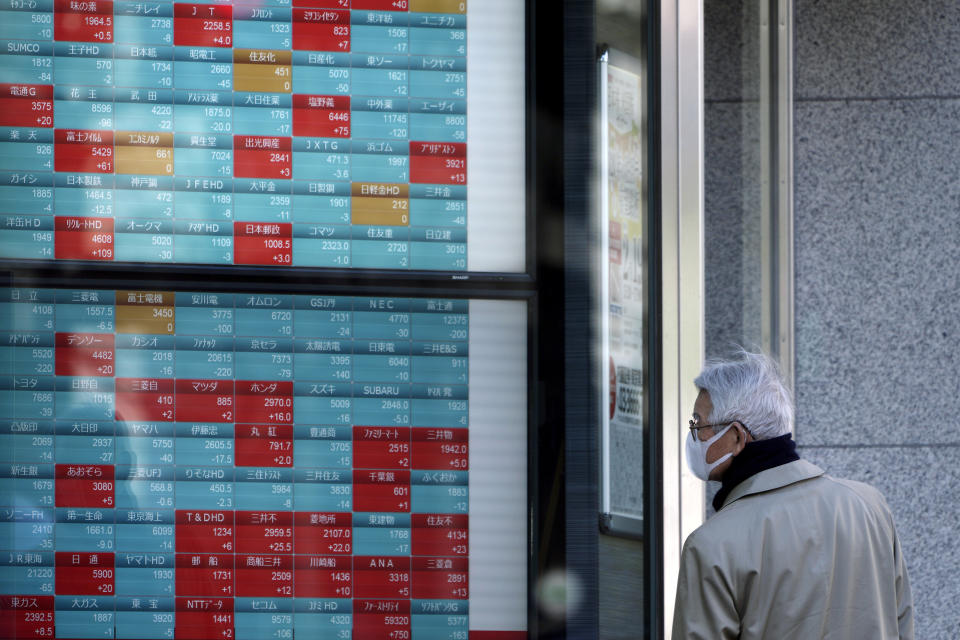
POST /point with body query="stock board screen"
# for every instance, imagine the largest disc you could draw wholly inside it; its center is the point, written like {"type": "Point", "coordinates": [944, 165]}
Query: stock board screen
{"type": "Point", "coordinates": [285, 133]}
{"type": "Point", "coordinates": [209, 465]}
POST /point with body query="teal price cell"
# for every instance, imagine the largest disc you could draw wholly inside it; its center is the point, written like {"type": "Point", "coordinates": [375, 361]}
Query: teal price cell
{"type": "Point", "coordinates": [29, 448]}
{"type": "Point", "coordinates": [84, 405]}
{"type": "Point", "coordinates": [320, 80]}
{"type": "Point", "coordinates": [322, 446]}
{"type": "Point", "coordinates": [27, 529]}
{"type": "Point", "coordinates": [210, 321]}
{"type": "Point", "coordinates": [388, 83]}
{"type": "Point", "coordinates": [34, 359]}
{"type": "Point", "coordinates": [313, 203]}
{"type": "Point", "coordinates": [85, 623]}
{"type": "Point", "coordinates": [94, 203]}
{"type": "Point", "coordinates": [388, 368]}
{"type": "Point", "coordinates": [326, 619]}
{"type": "Point", "coordinates": [205, 207]}
{"type": "Point", "coordinates": [153, 73]}
{"type": "Point", "coordinates": [145, 204]}
{"type": "Point", "coordinates": [317, 165]}
{"type": "Point", "coordinates": [265, 316]}
{"type": "Point", "coordinates": [431, 498]}
{"type": "Point", "coordinates": [438, 84]}
{"type": "Point", "coordinates": [144, 363]}
{"type": "Point", "coordinates": [85, 311]}
{"type": "Point", "coordinates": [323, 366]}
{"type": "Point", "coordinates": [322, 490]}
{"type": "Point", "coordinates": [145, 531]}
{"type": "Point", "coordinates": [204, 495]}
{"type": "Point", "coordinates": [27, 310]}
{"type": "Point", "coordinates": [20, 23]}
{"type": "Point", "coordinates": [441, 370]}
{"type": "Point", "coordinates": [380, 39]}
{"type": "Point", "coordinates": [205, 364]}
{"type": "Point", "coordinates": [385, 411]}
{"type": "Point", "coordinates": [26, 156]}
{"type": "Point", "coordinates": [27, 573]}
{"type": "Point", "coordinates": [144, 493]}
{"type": "Point", "coordinates": [264, 207]}
{"type": "Point", "coordinates": [380, 168]}
{"type": "Point", "coordinates": [321, 409]}
{"type": "Point", "coordinates": [438, 42]}
{"type": "Point", "coordinates": [439, 413]}
{"type": "Point", "coordinates": [142, 30]}
{"type": "Point", "coordinates": [439, 626]}
{"type": "Point", "coordinates": [263, 618]}
{"type": "Point", "coordinates": [143, 116]}
{"type": "Point", "coordinates": [381, 541]}
{"type": "Point", "coordinates": [203, 249]}
{"type": "Point", "coordinates": [321, 252]}
{"type": "Point", "coordinates": [143, 247]}
{"type": "Point", "coordinates": [28, 486]}
{"type": "Point", "coordinates": [438, 255]}
{"type": "Point", "coordinates": [204, 76]}
{"type": "Point", "coordinates": [391, 324]}
{"type": "Point", "coordinates": [28, 398]}
{"type": "Point", "coordinates": [145, 624]}
{"type": "Point", "coordinates": [258, 27]}
{"type": "Point", "coordinates": [262, 114]}
{"type": "Point", "coordinates": [26, 201]}
{"type": "Point", "coordinates": [89, 535]}
{"type": "Point", "coordinates": [380, 124]}
{"type": "Point", "coordinates": [440, 326]}
{"type": "Point", "coordinates": [26, 245]}
{"type": "Point", "coordinates": [380, 254]}
{"type": "Point", "coordinates": [144, 574]}
{"type": "Point", "coordinates": [209, 119]}
{"type": "Point", "coordinates": [86, 449]}
{"type": "Point", "coordinates": [438, 127]}
{"type": "Point", "coordinates": [327, 317]}
{"type": "Point", "coordinates": [215, 163]}
{"type": "Point", "coordinates": [217, 452]}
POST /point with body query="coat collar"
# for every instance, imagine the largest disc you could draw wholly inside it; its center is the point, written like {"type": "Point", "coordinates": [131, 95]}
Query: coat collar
{"type": "Point", "coordinates": [774, 478]}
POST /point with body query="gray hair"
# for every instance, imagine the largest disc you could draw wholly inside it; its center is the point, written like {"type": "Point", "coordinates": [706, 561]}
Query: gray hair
{"type": "Point", "coordinates": [748, 389]}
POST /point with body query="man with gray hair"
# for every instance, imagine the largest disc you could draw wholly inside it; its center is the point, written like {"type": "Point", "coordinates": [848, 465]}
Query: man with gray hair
{"type": "Point", "coordinates": [792, 553]}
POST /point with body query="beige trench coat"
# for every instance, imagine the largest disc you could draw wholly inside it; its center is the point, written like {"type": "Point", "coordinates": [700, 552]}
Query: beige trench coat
{"type": "Point", "coordinates": [794, 554]}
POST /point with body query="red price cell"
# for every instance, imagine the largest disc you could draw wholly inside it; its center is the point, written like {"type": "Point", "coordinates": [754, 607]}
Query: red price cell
{"type": "Point", "coordinates": [440, 449]}
{"type": "Point", "coordinates": [83, 20]}
{"type": "Point", "coordinates": [264, 445]}
{"type": "Point", "coordinates": [263, 243]}
{"type": "Point", "coordinates": [84, 485]}
{"type": "Point", "coordinates": [26, 105]}
{"type": "Point", "coordinates": [323, 4]}
{"type": "Point", "coordinates": [204, 400]}
{"type": "Point", "coordinates": [381, 619]}
{"type": "Point", "coordinates": [262, 157]}
{"type": "Point", "coordinates": [84, 574]}
{"type": "Point", "coordinates": [264, 576]}
{"type": "Point", "coordinates": [204, 574]}
{"type": "Point", "coordinates": [438, 162]}
{"type": "Point", "coordinates": [387, 491]}
{"type": "Point", "coordinates": [204, 618]}
{"type": "Point", "coordinates": [381, 447]}
{"type": "Point", "coordinates": [205, 531]}
{"type": "Point", "coordinates": [84, 354]}
{"type": "Point", "coordinates": [83, 238]}
{"type": "Point", "coordinates": [264, 531]}
{"type": "Point", "coordinates": [323, 116]}
{"type": "Point", "coordinates": [323, 533]}
{"type": "Point", "coordinates": [268, 401]}
{"type": "Point", "coordinates": [26, 616]}
{"type": "Point", "coordinates": [441, 578]}
{"type": "Point", "coordinates": [440, 534]}
{"type": "Point", "coordinates": [380, 5]}
{"type": "Point", "coordinates": [202, 25]}
{"type": "Point", "coordinates": [381, 576]}
{"type": "Point", "coordinates": [83, 150]}
{"type": "Point", "coordinates": [145, 399]}
{"type": "Point", "coordinates": [323, 577]}
{"type": "Point", "coordinates": [321, 29]}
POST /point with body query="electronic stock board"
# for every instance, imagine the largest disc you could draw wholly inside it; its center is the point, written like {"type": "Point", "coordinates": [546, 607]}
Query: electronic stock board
{"type": "Point", "coordinates": [303, 133]}
{"type": "Point", "coordinates": [183, 462]}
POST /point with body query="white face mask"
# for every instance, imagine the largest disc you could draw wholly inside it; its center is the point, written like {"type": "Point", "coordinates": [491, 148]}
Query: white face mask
{"type": "Point", "coordinates": [697, 455]}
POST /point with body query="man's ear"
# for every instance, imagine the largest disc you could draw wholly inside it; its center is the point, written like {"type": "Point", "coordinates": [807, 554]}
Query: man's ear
{"type": "Point", "coordinates": [741, 436]}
